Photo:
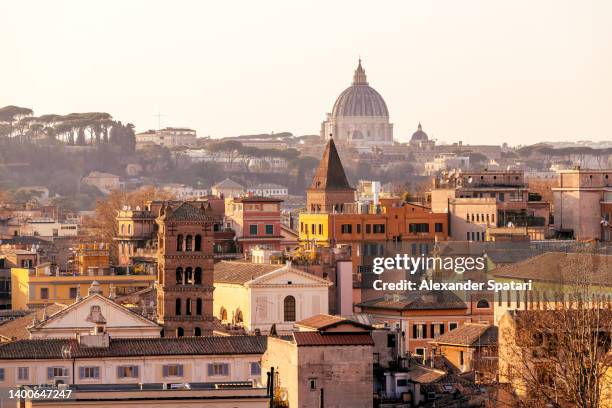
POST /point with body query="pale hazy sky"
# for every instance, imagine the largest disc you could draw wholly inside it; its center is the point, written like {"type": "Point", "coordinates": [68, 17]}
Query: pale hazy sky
{"type": "Point", "coordinates": [479, 71]}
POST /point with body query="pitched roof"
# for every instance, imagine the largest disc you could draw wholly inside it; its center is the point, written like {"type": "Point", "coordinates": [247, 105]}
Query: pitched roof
{"type": "Point", "coordinates": [560, 267]}
{"type": "Point", "coordinates": [135, 347]}
{"type": "Point", "coordinates": [241, 272]}
{"type": "Point", "coordinates": [314, 338]}
{"type": "Point", "coordinates": [417, 300]}
{"type": "Point", "coordinates": [18, 329]}
{"type": "Point", "coordinates": [469, 334]}
{"type": "Point", "coordinates": [228, 183]}
{"type": "Point", "coordinates": [330, 173]}
{"type": "Point", "coordinates": [188, 211]}
{"type": "Point", "coordinates": [322, 322]}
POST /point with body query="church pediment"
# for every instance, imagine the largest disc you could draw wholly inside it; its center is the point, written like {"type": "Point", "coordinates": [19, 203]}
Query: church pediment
{"type": "Point", "coordinates": [94, 310]}
{"type": "Point", "coordinates": [288, 276]}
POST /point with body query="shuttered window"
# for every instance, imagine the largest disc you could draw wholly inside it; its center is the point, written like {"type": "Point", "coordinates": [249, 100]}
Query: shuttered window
{"type": "Point", "coordinates": [127, 371]}
{"type": "Point", "coordinates": [172, 370]}
{"type": "Point", "coordinates": [218, 369]}
{"type": "Point", "coordinates": [89, 372]}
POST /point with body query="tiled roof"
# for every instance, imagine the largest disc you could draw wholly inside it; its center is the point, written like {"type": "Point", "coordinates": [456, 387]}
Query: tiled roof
{"type": "Point", "coordinates": [228, 183]}
{"type": "Point", "coordinates": [313, 338]}
{"type": "Point", "coordinates": [424, 300]}
{"type": "Point", "coordinates": [469, 334]}
{"type": "Point", "coordinates": [187, 211]}
{"type": "Point", "coordinates": [560, 267]}
{"type": "Point", "coordinates": [241, 272]}
{"type": "Point", "coordinates": [257, 199]}
{"type": "Point", "coordinates": [325, 321]}
{"type": "Point", "coordinates": [17, 329]}
{"type": "Point", "coordinates": [330, 173]}
{"type": "Point", "coordinates": [135, 347]}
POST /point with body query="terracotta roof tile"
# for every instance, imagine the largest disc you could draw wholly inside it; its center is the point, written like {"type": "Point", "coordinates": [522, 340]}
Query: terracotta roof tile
{"type": "Point", "coordinates": [241, 272]}
{"type": "Point", "coordinates": [17, 329]}
{"type": "Point", "coordinates": [325, 321]}
{"type": "Point", "coordinates": [424, 300]}
{"type": "Point", "coordinates": [561, 267]}
{"type": "Point", "coordinates": [188, 211]}
{"type": "Point", "coordinates": [469, 334]}
{"type": "Point", "coordinates": [134, 347]}
{"type": "Point", "coordinates": [313, 338]}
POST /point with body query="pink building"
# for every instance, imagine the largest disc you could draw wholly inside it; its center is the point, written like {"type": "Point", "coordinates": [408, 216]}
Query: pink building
{"type": "Point", "coordinates": [256, 220]}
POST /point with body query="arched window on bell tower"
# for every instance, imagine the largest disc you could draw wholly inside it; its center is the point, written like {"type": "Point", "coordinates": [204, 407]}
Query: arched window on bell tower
{"type": "Point", "coordinates": [198, 243]}
{"type": "Point", "coordinates": [179, 243]}
{"type": "Point", "coordinates": [178, 307]}
{"type": "Point", "coordinates": [197, 276]}
{"type": "Point", "coordinates": [179, 276]}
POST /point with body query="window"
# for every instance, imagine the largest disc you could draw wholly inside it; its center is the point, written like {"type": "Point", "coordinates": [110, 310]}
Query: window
{"type": "Point", "coordinates": [44, 293]}
{"type": "Point", "coordinates": [179, 276]}
{"type": "Point", "coordinates": [172, 370]}
{"type": "Point", "coordinates": [23, 373]}
{"type": "Point", "coordinates": [180, 332]}
{"type": "Point", "coordinates": [379, 228]}
{"type": "Point", "coordinates": [218, 369]}
{"type": "Point", "coordinates": [1, 374]}
{"type": "Point", "coordinates": [179, 242]}
{"type": "Point", "coordinates": [289, 309]}
{"type": "Point", "coordinates": [437, 329]}
{"type": "Point", "coordinates": [188, 243]}
{"type": "Point", "coordinates": [461, 359]}
{"type": "Point", "coordinates": [452, 326]}
{"type": "Point", "coordinates": [312, 384]}
{"type": "Point", "coordinates": [197, 276]}
{"type": "Point", "coordinates": [130, 371]}
{"type": "Point", "coordinates": [419, 351]}
{"type": "Point", "coordinates": [197, 331]}
{"type": "Point", "coordinates": [439, 227]}
{"type": "Point", "coordinates": [73, 293]}
{"type": "Point", "coordinates": [198, 306]}
{"type": "Point", "coordinates": [421, 227]}
{"type": "Point", "coordinates": [419, 331]}
{"type": "Point", "coordinates": [188, 307]}
{"type": "Point", "coordinates": [368, 228]}
{"type": "Point", "coordinates": [177, 307]}
{"type": "Point", "coordinates": [54, 372]}
{"type": "Point", "coordinates": [198, 243]}
{"type": "Point", "coordinates": [269, 229]}
{"type": "Point", "coordinates": [391, 340]}
{"type": "Point", "coordinates": [89, 373]}
{"type": "Point", "coordinates": [320, 229]}
{"type": "Point", "coordinates": [255, 368]}
{"type": "Point", "coordinates": [359, 228]}
{"type": "Point", "coordinates": [346, 228]}
{"type": "Point", "coordinates": [482, 304]}
{"type": "Point", "coordinates": [253, 229]}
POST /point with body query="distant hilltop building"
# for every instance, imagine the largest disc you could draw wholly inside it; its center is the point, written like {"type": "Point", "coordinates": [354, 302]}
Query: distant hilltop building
{"type": "Point", "coordinates": [167, 137]}
{"type": "Point", "coordinates": [360, 117]}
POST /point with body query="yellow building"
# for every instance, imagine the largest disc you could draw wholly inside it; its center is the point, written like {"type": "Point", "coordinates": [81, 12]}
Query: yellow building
{"type": "Point", "coordinates": [42, 285]}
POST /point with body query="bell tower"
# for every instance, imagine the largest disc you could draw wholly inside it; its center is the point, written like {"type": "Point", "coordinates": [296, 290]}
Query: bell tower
{"type": "Point", "coordinates": [330, 189]}
{"type": "Point", "coordinates": [185, 269]}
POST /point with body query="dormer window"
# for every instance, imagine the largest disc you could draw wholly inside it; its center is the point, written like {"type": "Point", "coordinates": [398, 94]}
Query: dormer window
{"type": "Point", "coordinates": [99, 329]}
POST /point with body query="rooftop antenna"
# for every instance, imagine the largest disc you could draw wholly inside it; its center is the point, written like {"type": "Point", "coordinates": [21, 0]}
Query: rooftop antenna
{"type": "Point", "coordinates": [159, 116]}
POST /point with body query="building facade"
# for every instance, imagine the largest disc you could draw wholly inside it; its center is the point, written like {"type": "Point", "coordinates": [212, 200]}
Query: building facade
{"type": "Point", "coordinates": [185, 269]}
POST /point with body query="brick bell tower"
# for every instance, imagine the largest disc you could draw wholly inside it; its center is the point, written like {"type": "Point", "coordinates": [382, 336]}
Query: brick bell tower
{"type": "Point", "coordinates": [185, 269]}
{"type": "Point", "coordinates": [330, 189]}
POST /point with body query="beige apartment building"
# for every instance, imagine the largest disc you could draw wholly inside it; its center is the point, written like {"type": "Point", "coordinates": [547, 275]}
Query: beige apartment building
{"type": "Point", "coordinates": [328, 362]}
{"type": "Point", "coordinates": [481, 202]}
{"type": "Point", "coordinates": [583, 204]}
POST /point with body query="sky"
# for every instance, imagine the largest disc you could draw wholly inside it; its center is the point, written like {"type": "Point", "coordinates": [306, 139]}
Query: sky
{"type": "Point", "coordinates": [479, 71]}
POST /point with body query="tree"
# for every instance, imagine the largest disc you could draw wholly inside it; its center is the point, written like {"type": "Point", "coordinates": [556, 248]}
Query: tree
{"type": "Point", "coordinates": [557, 352]}
{"type": "Point", "coordinates": [104, 226]}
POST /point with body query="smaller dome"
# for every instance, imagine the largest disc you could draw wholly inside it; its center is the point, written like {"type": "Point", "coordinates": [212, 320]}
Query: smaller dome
{"type": "Point", "coordinates": [419, 135]}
